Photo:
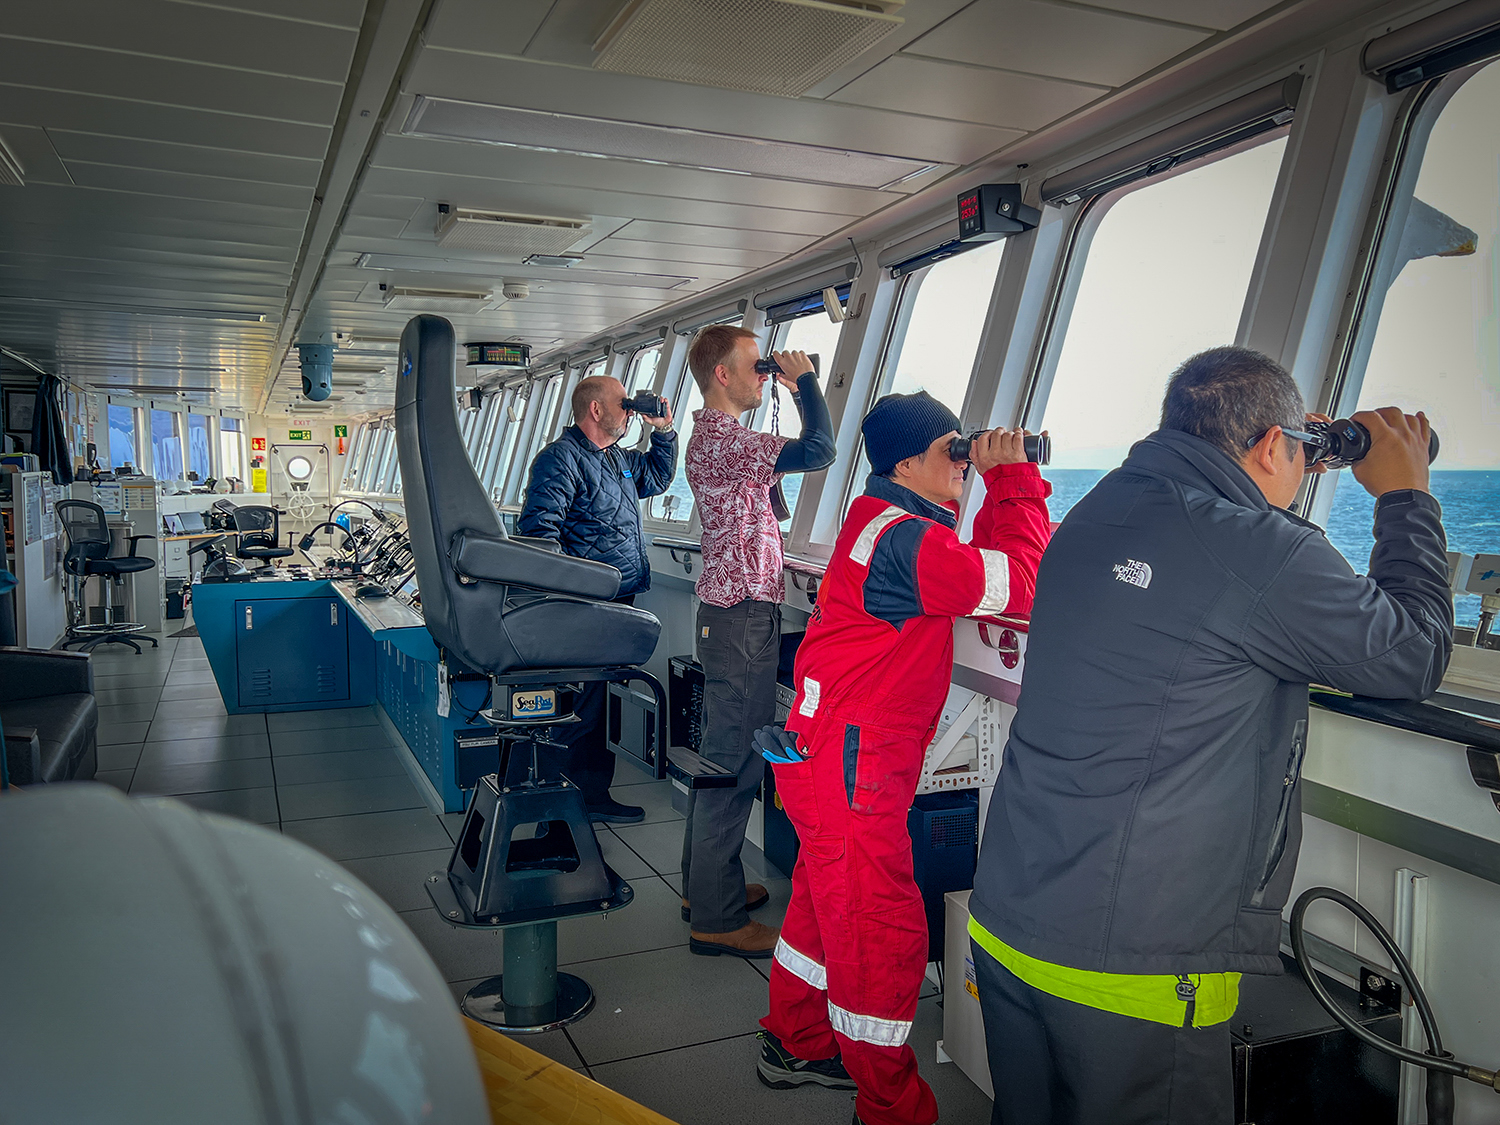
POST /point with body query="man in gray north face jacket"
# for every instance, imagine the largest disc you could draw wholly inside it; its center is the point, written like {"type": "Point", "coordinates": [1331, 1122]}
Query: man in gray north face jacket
{"type": "Point", "coordinates": [1145, 825]}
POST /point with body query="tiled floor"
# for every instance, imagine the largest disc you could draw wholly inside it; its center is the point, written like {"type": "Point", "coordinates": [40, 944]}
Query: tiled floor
{"type": "Point", "coordinates": [671, 1030]}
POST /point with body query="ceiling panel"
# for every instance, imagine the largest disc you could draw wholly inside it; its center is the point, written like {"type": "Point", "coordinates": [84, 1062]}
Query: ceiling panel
{"type": "Point", "coordinates": [477, 25]}
{"type": "Point", "coordinates": [192, 159]}
{"type": "Point", "coordinates": [168, 82]}
{"type": "Point", "coordinates": [686, 234]}
{"type": "Point", "coordinates": [540, 199]}
{"type": "Point", "coordinates": [29, 145]}
{"type": "Point", "coordinates": [742, 260]}
{"type": "Point", "coordinates": [534, 85]}
{"type": "Point", "coordinates": [1217, 14]}
{"type": "Point", "coordinates": [62, 109]}
{"type": "Point", "coordinates": [165, 30]}
{"type": "Point", "coordinates": [336, 13]}
{"type": "Point", "coordinates": [1083, 45]}
{"type": "Point", "coordinates": [994, 97]}
{"type": "Point", "coordinates": [270, 202]}
{"type": "Point", "coordinates": [460, 162]}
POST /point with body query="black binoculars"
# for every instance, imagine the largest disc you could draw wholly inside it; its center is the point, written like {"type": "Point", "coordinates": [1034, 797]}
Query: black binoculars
{"type": "Point", "coordinates": [646, 404]}
{"type": "Point", "coordinates": [1038, 447]}
{"type": "Point", "coordinates": [771, 367]}
{"type": "Point", "coordinates": [1342, 442]}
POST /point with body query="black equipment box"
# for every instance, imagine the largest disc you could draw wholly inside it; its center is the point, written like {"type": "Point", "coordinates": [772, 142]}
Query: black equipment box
{"type": "Point", "coordinates": [944, 831]}
{"type": "Point", "coordinates": [685, 702]}
{"type": "Point", "coordinates": [176, 591]}
{"type": "Point", "coordinates": [1294, 1066]}
{"type": "Point", "coordinates": [630, 723]}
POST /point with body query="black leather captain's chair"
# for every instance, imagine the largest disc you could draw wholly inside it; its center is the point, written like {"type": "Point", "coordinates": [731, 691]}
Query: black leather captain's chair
{"type": "Point", "coordinates": [538, 624]}
{"type": "Point", "coordinates": [259, 530]}
{"type": "Point", "coordinates": [88, 555]}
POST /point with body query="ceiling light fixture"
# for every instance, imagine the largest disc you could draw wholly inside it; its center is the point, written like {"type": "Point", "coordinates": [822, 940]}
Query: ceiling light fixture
{"type": "Point", "coordinates": [412, 262]}
{"type": "Point", "coordinates": [561, 261]}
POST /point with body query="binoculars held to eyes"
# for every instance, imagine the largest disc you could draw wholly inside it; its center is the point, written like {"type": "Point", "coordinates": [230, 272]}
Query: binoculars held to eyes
{"type": "Point", "coordinates": [1342, 442]}
{"type": "Point", "coordinates": [646, 404]}
{"type": "Point", "coordinates": [771, 367]}
{"type": "Point", "coordinates": [1038, 447]}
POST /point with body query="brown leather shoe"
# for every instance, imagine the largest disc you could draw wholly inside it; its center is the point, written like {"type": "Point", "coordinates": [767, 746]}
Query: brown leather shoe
{"type": "Point", "coordinates": [752, 940]}
{"type": "Point", "coordinates": [756, 896]}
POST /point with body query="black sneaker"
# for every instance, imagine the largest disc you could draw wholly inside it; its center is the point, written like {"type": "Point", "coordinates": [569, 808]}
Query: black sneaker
{"type": "Point", "coordinates": [781, 1070]}
{"type": "Point", "coordinates": [612, 812]}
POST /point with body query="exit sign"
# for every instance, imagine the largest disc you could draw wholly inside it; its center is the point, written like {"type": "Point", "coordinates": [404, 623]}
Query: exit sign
{"type": "Point", "coordinates": [299, 435]}
{"type": "Point", "coordinates": [341, 431]}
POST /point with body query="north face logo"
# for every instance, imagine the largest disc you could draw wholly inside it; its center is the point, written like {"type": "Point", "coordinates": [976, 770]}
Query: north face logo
{"type": "Point", "coordinates": [1136, 573]}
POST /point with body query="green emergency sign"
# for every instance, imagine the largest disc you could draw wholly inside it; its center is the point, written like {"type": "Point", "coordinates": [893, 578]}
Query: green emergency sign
{"type": "Point", "coordinates": [341, 431]}
{"type": "Point", "coordinates": [299, 435]}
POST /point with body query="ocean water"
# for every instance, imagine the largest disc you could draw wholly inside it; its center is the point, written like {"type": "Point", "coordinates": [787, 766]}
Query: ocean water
{"type": "Point", "coordinates": [1471, 516]}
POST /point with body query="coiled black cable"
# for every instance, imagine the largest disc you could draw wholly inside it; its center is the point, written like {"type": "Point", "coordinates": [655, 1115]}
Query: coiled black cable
{"type": "Point", "coordinates": [1441, 1066]}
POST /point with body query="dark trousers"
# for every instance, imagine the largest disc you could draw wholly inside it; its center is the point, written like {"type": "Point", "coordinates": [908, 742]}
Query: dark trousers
{"type": "Point", "coordinates": [584, 755]}
{"type": "Point", "coordinates": [1054, 1062]}
{"type": "Point", "coordinates": [739, 648]}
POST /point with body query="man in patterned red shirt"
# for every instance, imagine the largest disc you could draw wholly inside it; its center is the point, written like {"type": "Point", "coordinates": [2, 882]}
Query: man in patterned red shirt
{"type": "Point", "coordinates": [731, 470]}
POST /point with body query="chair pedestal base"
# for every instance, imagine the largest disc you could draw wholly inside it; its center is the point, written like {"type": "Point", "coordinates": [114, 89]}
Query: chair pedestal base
{"type": "Point", "coordinates": [531, 996]}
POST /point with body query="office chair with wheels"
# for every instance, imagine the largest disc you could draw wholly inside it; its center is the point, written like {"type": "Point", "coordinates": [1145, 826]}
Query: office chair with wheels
{"type": "Point", "coordinates": [259, 530]}
{"type": "Point", "coordinates": [88, 555]}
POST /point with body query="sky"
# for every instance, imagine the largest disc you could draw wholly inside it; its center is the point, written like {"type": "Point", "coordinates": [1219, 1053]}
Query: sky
{"type": "Point", "coordinates": [1437, 347]}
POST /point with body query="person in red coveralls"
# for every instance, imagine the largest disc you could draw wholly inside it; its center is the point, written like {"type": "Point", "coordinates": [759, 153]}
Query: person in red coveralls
{"type": "Point", "coordinates": [872, 675]}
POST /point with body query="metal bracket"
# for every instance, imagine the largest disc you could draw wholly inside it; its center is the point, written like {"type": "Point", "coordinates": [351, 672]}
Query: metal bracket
{"type": "Point", "coordinates": [685, 561]}
{"type": "Point", "coordinates": [1007, 643]}
{"type": "Point", "coordinates": [807, 583]}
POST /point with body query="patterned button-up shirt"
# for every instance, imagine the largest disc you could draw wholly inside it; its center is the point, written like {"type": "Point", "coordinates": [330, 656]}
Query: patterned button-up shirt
{"type": "Point", "coordinates": [730, 469]}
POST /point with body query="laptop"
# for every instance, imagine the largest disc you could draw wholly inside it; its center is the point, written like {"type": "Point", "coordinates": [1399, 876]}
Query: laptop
{"type": "Point", "coordinates": [192, 523]}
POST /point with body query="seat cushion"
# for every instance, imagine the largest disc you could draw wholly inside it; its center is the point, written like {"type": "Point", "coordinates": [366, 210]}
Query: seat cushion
{"type": "Point", "coordinates": [264, 552]}
{"type": "Point", "coordinates": [126, 564]}
{"type": "Point", "coordinates": [67, 726]}
{"type": "Point", "coordinates": [564, 633]}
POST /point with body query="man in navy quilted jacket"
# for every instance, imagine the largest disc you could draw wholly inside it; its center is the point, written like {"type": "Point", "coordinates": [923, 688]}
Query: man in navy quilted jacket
{"type": "Point", "coordinates": [585, 492]}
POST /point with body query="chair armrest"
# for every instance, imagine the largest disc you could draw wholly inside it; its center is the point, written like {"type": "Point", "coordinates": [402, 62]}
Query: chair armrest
{"type": "Point", "coordinates": [551, 545]}
{"type": "Point", "coordinates": [510, 563]}
{"type": "Point", "coordinates": [23, 755]}
{"type": "Point", "coordinates": [133, 542]}
{"type": "Point", "coordinates": [31, 673]}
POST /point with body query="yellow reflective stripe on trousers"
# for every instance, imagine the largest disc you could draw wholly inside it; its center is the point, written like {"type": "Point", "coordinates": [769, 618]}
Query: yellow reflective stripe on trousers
{"type": "Point", "coordinates": [1144, 996]}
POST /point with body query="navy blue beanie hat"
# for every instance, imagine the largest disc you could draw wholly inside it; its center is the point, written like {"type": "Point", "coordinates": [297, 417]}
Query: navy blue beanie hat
{"type": "Point", "coordinates": [902, 426]}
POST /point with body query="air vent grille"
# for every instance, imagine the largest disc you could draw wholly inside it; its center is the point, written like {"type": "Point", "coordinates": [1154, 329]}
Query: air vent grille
{"type": "Point", "coordinates": [783, 47]}
{"type": "Point", "coordinates": [399, 298]}
{"type": "Point", "coordinates": [518, 235]}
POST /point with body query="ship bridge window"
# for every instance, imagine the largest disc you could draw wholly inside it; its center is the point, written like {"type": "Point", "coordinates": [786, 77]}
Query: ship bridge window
{"type": "Point", "coordinates": [811, 332]}
{"type": "Point", "coordinates": [1166, 274]}
{"type": "Point", "coordinates": [166, 444]}
{"type": "Point", "coordinates": [675, 505]}
{"type": "Point", "coordinates": [640, 377]}
{"type": "Point", "coordinates": [198, 446]}
{"type": "Point", "coordinates": [935, 335]}
{"type": "Point", "coordinates": [1428, 338]}
{"type": "Point", "coordinates": [231, 448]}
{"type": "Point", "coordinates": [537, 427]}
{"type": "Point", "coordinates": [122, 437]}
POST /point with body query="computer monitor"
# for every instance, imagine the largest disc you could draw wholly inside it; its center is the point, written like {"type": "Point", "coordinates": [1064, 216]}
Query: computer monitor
{"type": "Point", "coordinates": [172, 522]}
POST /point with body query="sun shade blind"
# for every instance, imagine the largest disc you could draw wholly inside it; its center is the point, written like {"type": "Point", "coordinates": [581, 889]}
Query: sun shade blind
{"type": "Point", "coordinates": [1229, 124]}
{"type": "Point", "coordinates": [807, 286]}
{"type": "Point", "coordinates": [804, 306]}
{"type": "Point", "coordinates": [1462, 35]}
{"type": "Point", "coordinates": [687, 325]}
{"type": "Point", "coordinates": [644, 339]}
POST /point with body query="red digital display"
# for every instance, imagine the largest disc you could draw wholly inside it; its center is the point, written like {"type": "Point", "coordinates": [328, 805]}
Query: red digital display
{"type": "Point", "coordinates": [968, 207]}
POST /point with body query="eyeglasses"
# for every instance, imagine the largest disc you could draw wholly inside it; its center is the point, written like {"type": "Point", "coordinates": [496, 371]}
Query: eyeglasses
{"type": "Point", "coordinates": [1312, 445]}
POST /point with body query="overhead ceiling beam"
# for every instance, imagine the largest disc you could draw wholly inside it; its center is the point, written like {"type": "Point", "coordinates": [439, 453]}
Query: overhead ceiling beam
{"type": "Point", "coordinates": [388, 40]}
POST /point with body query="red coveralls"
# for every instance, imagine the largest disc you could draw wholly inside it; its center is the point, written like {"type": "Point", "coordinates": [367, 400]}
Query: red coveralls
{"type": "Point", "coordinates": [872, 675]}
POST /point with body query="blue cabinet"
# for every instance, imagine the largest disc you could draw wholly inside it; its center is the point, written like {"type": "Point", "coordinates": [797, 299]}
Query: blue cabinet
{"type": "Point", "coordinates": [292, 650]}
